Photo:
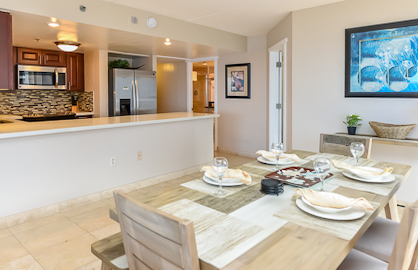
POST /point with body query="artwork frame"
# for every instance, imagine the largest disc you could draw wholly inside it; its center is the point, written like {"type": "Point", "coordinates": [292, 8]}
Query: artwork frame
{"type": "Point", "coordinates": [382, 60]}
{"type": "Point", "coordinates": [238, 81]}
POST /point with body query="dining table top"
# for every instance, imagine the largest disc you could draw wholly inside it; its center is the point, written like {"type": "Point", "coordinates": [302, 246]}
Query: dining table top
{"type": "Point", "coordinates": [247, 229]}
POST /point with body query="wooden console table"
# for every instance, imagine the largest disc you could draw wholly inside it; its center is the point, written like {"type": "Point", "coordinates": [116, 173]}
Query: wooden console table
{"type": "Point", "coordinates": [375, 139]}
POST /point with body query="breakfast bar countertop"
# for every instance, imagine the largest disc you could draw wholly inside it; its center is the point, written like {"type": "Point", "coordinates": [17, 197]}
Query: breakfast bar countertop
{"type": "Point", "coordinates": [23, 129]}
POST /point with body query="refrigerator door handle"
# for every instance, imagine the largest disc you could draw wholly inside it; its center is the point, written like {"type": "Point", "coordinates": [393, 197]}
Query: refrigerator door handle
{"type": "Point", "coordinates": [137, 97]}
{"type": "Point", "coordinates": [133, 105]}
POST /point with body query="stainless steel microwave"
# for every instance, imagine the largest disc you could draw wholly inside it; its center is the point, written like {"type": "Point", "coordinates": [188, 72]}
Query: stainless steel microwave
{"type": "Point", "coordinates": [39, 77]}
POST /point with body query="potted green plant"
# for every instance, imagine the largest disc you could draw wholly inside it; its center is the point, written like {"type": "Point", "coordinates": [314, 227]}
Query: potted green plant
{"type": "Point", "coordinates": [351, 121]}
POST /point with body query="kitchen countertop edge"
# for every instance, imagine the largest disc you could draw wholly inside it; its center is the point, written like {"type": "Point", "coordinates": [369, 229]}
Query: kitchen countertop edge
{"type": "Point", "coordinates": [171, 117]}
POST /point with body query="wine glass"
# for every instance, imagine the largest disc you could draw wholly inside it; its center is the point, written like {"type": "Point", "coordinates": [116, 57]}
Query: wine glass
{"type": "Point", "coordinates": [321, 166]}
{"type": "Point", "coordinates": [277, 150]}
{"type": "Point", "coordinates": [220, 166]}
{"type": "Point", "coordinates": [357, 149]}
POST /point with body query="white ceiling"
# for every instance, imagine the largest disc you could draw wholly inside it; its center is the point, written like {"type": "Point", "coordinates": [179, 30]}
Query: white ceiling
{"type": "Point", "coordinates": [29, 28]}
{"type": "Point", "coordinates": [243, 17]}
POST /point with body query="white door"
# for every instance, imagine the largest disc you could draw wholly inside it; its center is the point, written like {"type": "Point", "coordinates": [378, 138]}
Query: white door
{"type": "Point", "coordinates": [277, 86]}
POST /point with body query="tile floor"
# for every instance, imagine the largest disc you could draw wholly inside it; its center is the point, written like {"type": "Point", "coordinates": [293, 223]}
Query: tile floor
{"type": "Point", "coordinates": [62, 241]}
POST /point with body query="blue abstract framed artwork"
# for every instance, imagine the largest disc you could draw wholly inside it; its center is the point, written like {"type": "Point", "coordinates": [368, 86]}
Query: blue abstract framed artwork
{"type": "Point", "coordinates": [382, 60]}
{"type": "Point", "coordinates": [238, 81]}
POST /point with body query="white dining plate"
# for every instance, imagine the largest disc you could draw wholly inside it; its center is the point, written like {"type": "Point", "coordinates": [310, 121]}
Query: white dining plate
{"type": "Point", "coordinates": [324, 209]}
{"type": "Point", "coordinates": [227, 182]}
{"type": "Point", "coordinates": [350, 214]}
{"type": "Point", "coordinates": [285, 161]}
{"type": "Point", "coordinates": [386, 179]}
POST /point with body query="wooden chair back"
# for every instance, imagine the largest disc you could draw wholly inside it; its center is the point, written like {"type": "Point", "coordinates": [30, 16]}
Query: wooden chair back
{"type": "Point", "coordinates": [154, 239]}
{"type": "Point", "coordinates": [340, 144]}
{"type": "Point", "coordinates": [404, 254]}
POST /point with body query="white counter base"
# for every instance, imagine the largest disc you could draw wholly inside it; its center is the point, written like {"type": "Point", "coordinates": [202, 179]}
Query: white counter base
{"type": "Point", "coordinates": [44, 170]}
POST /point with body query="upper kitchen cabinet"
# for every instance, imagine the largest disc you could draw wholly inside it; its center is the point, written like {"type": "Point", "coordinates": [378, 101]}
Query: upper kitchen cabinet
{"type": "Point", "coordinates": [6, 52]}
{"type": "Point", "coordinates": [75, 72]}
{"type": "Point", "coordinates": [29, 56]}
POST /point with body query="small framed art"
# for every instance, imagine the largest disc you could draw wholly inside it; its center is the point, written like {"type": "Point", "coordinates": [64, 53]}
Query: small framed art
{"type": "Point", "coordinates": [238, 81]}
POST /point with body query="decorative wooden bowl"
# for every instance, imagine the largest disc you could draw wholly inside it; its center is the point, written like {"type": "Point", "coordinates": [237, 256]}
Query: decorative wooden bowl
{"type": "Point", "coordinates": [391, 131]}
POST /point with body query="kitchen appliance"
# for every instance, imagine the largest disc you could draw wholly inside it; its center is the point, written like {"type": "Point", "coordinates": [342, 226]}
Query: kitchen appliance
{"type": "Point", "coordinates": [47, 117]}
{"type": "Point", "coordinates": [40, 77]}
{"type": "Point", "coordinates": [132, 92]}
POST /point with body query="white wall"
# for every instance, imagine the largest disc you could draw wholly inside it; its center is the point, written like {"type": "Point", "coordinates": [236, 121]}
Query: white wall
{"type": "Point", "coordinates": [42, 170]}
{"type": "Point", "coordinates": [318, 80]}
{"type": "Point", "coordinates": [242, 127]}
{"type": "Point", "coordinates": [171, 87]}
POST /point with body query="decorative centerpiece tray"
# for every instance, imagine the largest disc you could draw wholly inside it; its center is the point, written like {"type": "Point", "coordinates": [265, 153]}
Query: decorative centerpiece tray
{"type": "Point", "coordinates": [297, 176]}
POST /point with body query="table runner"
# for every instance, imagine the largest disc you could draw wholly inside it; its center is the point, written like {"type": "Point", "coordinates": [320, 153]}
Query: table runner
{"type": "Point", "coordinates": [219, 237]}
{"type": "Point", "coordinates": [342, 229]}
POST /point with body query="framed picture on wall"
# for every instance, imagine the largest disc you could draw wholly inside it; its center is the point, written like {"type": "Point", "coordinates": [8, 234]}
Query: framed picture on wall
{"type": "Point", "coordinates": [238, 81]}
{"type": "Point", "coordinates": [382, 60]}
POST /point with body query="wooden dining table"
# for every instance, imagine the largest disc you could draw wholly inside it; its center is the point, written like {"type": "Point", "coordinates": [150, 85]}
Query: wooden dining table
{"type": "Point", "coordinates": [247, 229]}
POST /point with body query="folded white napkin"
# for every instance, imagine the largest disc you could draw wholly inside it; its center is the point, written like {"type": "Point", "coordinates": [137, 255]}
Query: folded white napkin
{"type": "Point", "coordinates": [331, 200]}
{"type": "Point", "coordinates": [270, 156]}
{"type": "Point", "coordinates": [230, 173]}
{"type": "Point", "coordinates": [364, 172]}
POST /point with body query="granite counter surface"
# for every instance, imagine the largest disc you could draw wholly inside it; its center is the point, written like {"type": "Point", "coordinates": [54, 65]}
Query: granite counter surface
{"type": "Point", "coordinates": [23, 129]}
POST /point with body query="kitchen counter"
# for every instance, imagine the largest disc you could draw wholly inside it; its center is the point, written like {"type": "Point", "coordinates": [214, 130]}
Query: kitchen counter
{"type": "Point", "coordinates": [23, 129]}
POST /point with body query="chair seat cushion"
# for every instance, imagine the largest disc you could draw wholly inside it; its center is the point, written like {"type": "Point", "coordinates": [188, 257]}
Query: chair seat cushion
{"type": "Point", "coordinates": [357, 260]}
{"type": "Point", "coordinates": [379, 239]}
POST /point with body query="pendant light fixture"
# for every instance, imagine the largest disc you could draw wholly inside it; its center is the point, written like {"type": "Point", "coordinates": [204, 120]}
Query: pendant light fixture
{"type": "Point", "coordinates": [67, 46]}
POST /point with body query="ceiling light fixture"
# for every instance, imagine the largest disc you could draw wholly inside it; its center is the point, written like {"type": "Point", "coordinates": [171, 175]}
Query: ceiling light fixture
{"type": "Point", "coordinates": [67, 46]}
{"type": "Point", "coordinates": [167, 42]}
{"type": "Point", "coordinates": [53, 22]}
{"type": "Point", "coordinates": [204, 63]}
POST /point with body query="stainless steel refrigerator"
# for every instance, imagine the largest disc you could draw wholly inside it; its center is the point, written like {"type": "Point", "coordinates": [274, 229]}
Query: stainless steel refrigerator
{"type": "Point", "coordinates": [132, 92]}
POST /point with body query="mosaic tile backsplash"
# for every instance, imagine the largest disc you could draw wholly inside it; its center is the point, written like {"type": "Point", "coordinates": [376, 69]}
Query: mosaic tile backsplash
{"type": "Point", "coordinates": [21, 102]}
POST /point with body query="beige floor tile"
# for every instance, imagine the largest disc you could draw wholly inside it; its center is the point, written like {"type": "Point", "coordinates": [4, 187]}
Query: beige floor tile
{"type": "Point", "coordinates": [24, 263]}
{"type": "Point", "coordinates": [11, 249]}
{"type": "Point", "coordinates": [35, 223]}
{"type": "Point", "coordinates": [47, 235]}
{"type": "Point", "coordinates": [70, 255]}
{"type": "Point", "coordinates": [4, 232]}
{"type": "Point", "coordinates": [106, 231]}
{"type": "Point", "coordinates": [85, 208]}
{"type": "Point", "coordinates": [96, 265]}
{"type": "Point", "coordinates": [94, 219]}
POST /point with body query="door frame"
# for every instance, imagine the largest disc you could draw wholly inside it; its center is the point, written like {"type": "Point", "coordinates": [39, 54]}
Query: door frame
{"type": "Point", "coordinates": [190, 88]}
{"type": "Point", "coordinates": [274, 96]}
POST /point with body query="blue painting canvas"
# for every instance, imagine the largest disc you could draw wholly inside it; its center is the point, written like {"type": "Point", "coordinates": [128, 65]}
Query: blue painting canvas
{"type": "Point", "coordinates": [382, 62]}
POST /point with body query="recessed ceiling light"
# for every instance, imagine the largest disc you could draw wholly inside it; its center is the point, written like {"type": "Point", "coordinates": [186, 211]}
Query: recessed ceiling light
{"type": "Point", "coordinates": [167, 42]}
{"type": "Point", "coordinates": [53, 24]}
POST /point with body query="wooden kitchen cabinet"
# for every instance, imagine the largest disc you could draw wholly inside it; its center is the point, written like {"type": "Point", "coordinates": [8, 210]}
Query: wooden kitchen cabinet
{"type": "Point", "coordinates": [6, 52]}
{"type": "Point", "coordinates": [75, 72]}
{"type": "Point", "coordinates": [38, 57]}
{"type": "Point", "coordinates": [54, 58]}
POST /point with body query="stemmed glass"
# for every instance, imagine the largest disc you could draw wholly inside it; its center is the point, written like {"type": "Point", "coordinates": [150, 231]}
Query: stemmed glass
{"type": "Point", "coordinates": [357, 149]}
{"type": "Point", "coordinates": [321, 166]}
{"type": "Point", "coordinates": [277, 150]}
{"type": "Point", "coordinates": [220, 166]}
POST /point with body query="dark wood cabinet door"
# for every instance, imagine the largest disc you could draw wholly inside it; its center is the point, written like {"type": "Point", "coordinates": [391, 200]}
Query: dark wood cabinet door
{"type": "Point", "coordinates": [54, 58]}
{"type": "Point", "coordinates": [27, 56]}
{"type": "Point", "coordinates": [75, 72]}
{"type": "Point", "coordinates": [6, 52]}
